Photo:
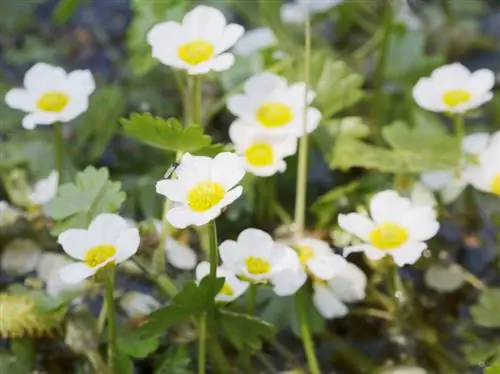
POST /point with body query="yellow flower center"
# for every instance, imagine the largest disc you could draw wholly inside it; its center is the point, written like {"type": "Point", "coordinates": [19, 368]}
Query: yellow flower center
{"type": "Point", "coordinates": [257, 265]}
{"type": "Point", "coordinates": [205, 195]}
{"type": "Point", "coordinates": [495, 185]}
{"type": "Point", "coordinates": [52, 101]}
{"type": "Point", "coordinates": [259, 155]}
{"type": "Point", "coordinates": [227, 290]}
{"type": "Point", "coordinates": [274, 114]}
{"type": "Point", "coordinates": [388, 236]}
{"type": "Point", "coordinates": [99, 254]}
{"type": "Point", "coordinates": [305, 253]}
{"type": "Point", "coordinates": [196, 51]}
{"type": "Point", "coordinates": [457, 97]}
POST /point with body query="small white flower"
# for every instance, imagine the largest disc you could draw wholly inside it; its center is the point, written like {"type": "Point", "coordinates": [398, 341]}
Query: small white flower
{"type": "Point", "coordinates": [486, 176]}
{"type": "Point", "coordinates": [397, 228]}
{"type": "Point", "coordinates": [204, 186]}
{"type": "Point", "coordinates": [8, 214]}
{"type": "Point", "coordinates": [232, 288]}
{"type": "Point", "coordinates": [318, 258]}
{"type": "Point", "coordinates": [198, 43]}
{"type": "Point", "coordinates": [451, 183]}
{"type": "Point", "coordinates": [109, 239]}
{"type": "Point", "coordinates": [421, 195]}
{"type": "Point", "coordinates": [138, 304]}
{"type": "Point", "coordinates": [20, 256]}
{"type": "Point", "coordinates": [180, 256]}
{"type": "Point", "coordinates": [51, 95]}
{"type": "Point", "coordinates": [48, 270]}
{"type": "Point", "coordinates": [348, 285]}
{"type": "Point", "coordinates": [296, 12]}
{"type": "Point", "coordinates": [454, 89]}
{"type": "Point", "coordinates": [254, 41]}
{"type": "Point", "coordinates": [262, 153]}
{"type": "Point", "coordinates": [45, 189]}
{"type": "Point", "coordinates": [257, 258]}
{"type": "Point", "coordinates": [270, 104]}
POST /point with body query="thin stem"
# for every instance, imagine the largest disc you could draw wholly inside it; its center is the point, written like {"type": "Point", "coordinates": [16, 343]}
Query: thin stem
{"type": "Point", "coordinates": [58, 149]}
{"type": "Point", "coordinates": [459, 125]}
{"type": "Point", "coordinates": [251, 299]}
{"type": "Point", "coordinates": [474, 281]}
{"type": "Point", "coordinates": [305, 331]}
{"type": "Point", "coordinates": [101, 320]}
{"type": "Point", "coordinates": [202, 344]}
{"type": "Point", "coordinates": [301, 188]}
{"type": "Point", "coordinates": [110, 307]}
{"type": "Point", "coordinates": [213, 258]}
{"type": "Point", "coordinates": [197, 100]}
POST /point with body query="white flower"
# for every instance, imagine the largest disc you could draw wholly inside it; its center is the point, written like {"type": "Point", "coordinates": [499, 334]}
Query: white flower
{"type": "Point", "coordinates": [262, 153]}
{"type": "Point", "coordinates": [451, 183]}
{"type": "Point", "coordinates": [232, 288]}
{"type": "Point", "coordinates": [45, 189]}
{"type": "Point", "coordinates": [272, 105]}
{"type": "Point", "coordinates": [254, 41]}
{"type": "Point", "coordinates": [8, 214]}
{"type": "Point", "coordinates": [348, 285]}
{"type": "Point", "coordinates": [51, 95]}
{"type": "Point", "coordinates": [454, 89]}
{"type": "Point", "coordinates": [48, 270]}
{"type": "Point", "coordinates": [318, 258]}
{"type": "Point", "coordinates": [197, 44]}
{"type": "Point", "coordinates": [138, 304]}
{"type": "Point", "coordinates": [396, 228]}
{"type": "Point", "coordinates": [180, 256]}
{"type": "Point", "coordinates": [204, 186]}
{"type": "Point", "coordinates": [257, 258]}
{"type": "Point", "coordinates": [20, 256]}
{"type": "Point", "coordinates": [421, 195]}
{"type": "Point", "coordinates": [109, 239]}
{"type": "Point", "coordinates": [296, 12]}
{"type": "Point", "coordinates": [486, 176]}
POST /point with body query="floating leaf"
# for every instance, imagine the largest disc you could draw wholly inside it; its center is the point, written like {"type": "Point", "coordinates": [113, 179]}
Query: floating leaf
{"type": "Point", "coordinates": [76, 204]}
{"type": "Point", "coordinates": [485, 312]}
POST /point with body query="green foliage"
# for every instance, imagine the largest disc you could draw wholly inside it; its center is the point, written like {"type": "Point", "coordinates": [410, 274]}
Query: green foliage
{"type": "Point", "coordinates": [243, 330]}
{"type": "Point", "coordinates": [124, 364]}
{"type": "Point", "coordinates": [423, 148]}
{"type": "Point", "coordinates": [485, 312]}
{"type": "Point", "coordinates": [65, 10]}
{"type": "Point", "coordinates": [20, 360]}
{"type": "Point", "coordinates": [190, 302]}
{"type": "Point", "coordinates": [176, 361]}
{"type": "Point", "coordinates": [168, 134]}
{"type": "Point", "coordinates": [135, 345]}
{"type": "Point", "coordinates": [492, 369]}
{"type": "Point", "coordinates": [76, 204]}
{"type": "Point", "coordinates": [483, 353]}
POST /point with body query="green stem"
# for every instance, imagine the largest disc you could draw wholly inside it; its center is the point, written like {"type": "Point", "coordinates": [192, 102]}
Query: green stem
{"type": "Point", "coordinates": [397, 294]}
{"type": "Point", "coordinates": [459, 126]}
{"type": "Point", "coordinates": [251, 299]}
{"type": "Point", "coordinates": [101, 320]}
{"type": "Point", "coordinates": [197, 100]}
{"type": "Point", "coordinates": [58, 149]}
{"type": "Point", "coordinates": [301, 188]}
{"type": "Point", "coordinates": [305, 331]}
{"type": "Point", "coordinates": [110, 307]}
{"type": "Point", "coordinates": [213, 258]}
{"type": "Point", "coordinates": [202, 344]}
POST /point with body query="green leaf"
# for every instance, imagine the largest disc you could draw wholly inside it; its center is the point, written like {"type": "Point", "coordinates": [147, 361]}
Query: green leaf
{"type": "Point", "coordinates": [191, 301]}
{"type": "Point", "coordinates": [424, 148]}
{"type": "Point", "coordinates": [76, 204]}
{"type": "Point", "coordinates": [485, 312]}
{"type": "Point", "coordinates": [65, 10]}
{"type": "Point", "coordinates": [124, 365]}
{"type": "Point", "coordinates": [243, 330]}
{"type": "Point", "coordinates": [135, 345]}
{"type": "Point", "coordinates": [167, 134]}
{"type": "Point", "coordinates": [176, 361]}
{"type": "Point", "coordinates": [482, 353]}
{"type": "Point", "coordinates": [492, 369]}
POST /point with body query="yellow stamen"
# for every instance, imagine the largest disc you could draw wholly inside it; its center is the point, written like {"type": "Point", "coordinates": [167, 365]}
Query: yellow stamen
{"type": "Point", "coordinates": [257, 265]}
{"type": "Point", "coordinates": [495, 185]}
{"type": "Point", "coordinates": [456, 97]}
{"type": "Point", "coordinates": [388, 236]}
{"type": "Point", "coordinates": [274, 114]}
{"type": "Point", "coordinates": [305, 253]}
{"type": "Point", "coordinates": [227, 290]}
{"type": "Point", "coordinates": [259, 154]}
{"type": "Point", "coordinates": [99, 254]}
{"type": "Point", "coordinates": [53, 101]}
{"type": "Point", "coordinates": [205, 195]}
{"type": "Point", "coordinates": [196, 51]}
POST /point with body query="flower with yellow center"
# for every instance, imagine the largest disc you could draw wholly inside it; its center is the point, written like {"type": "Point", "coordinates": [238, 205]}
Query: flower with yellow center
{"type": "Point", "coordinates": [397, 228]}
{"type": "Point", "coordinates": [485, 176]}
{"type": "Point", "coordinates": [232, 288]}
{"type": "Point", "coordinates": [454, 89]}
{"type": "Point", "coordinates": [108, 240]}
{"type": "Point", "coordinates": [273, 106]}
{"type": "Point", "coordinates": [263, 154]}
{"type": "Point", "coordinates": [198, 44]}
{"type": "Point", "coordinates": [256, 258]}
{"type": "Point", "coordinates": [203, 187]}
{"type": "Point", "coordinates": [51, 95]}
{"type": "Point", "coordinates": [45, 189]}
{"type": "Point", "coordinates": [318, 258]}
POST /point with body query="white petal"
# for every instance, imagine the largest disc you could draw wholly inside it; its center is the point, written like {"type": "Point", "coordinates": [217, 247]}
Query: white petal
{"type": "Point", "coordinates": [349, 284]}
{"type": "Point", "coordinates": [451, 191]}
{"type": "Point", "coordinates": [292, 13]}
{"type": "Point", "coordinates": [227, 169]}
{"type": "Point", "coordinates": [107, 228]}
{"type": "Point", "coordinates": [255, 241]}
{"type": "Point", "coordinates": [204, 22]}
{"type": "Point", "coordinates": [238, 105]}
{"type": "Point", "coordinates": [325, 267]}
{"type": "Point", "coordinates": [408, 254]}
{"type": "Point", "coordinates": [370, 251]}
{"type": "Point", "coordinates": [288, 282]}
{"type": "Point", "coordinates": [193, 169]}
{"type": "Point", "coordinates": [238, 287]}
{"type": "Point", "coordinates": [173, 189]}
{"type": "Point", "coordinates": [478, 178]}
{"type": "Point", "coordinates": [202, 270]}
{"type": "Point", "coordinates": [426, 96]}
{"type": "Point", "coordinates": [222, 62]}
{"type": "Point", "coordinates": [265, 83]}
{"type": "Point", "coordinates": [180, 256]}
{"type": "Point", "coordinates": [81, 80]}
{"type": "Point", "coordinates": [231, 254]}
{"type": "Point", "coordinates": [388, 206]}
{"type": "Point", "coordinates": [127, 244]}
{"type": "Point", "coordinates": [481, 81]}
{"type": "Point", "coordinates": [75, 273]}
{"type": "Point", "coordinates": [229, 38]}
{"type": "Point", "coordinates": [181, 217]}
{"type": "Point", "coordinates": [76, 242]}
{"type": "Point", "coordinates": [162, 33]}
{"type": "Point", "coordinates": [229, 198]}
{"type": "Point", "coordinates": [43, 76]}
{"type": "Point", "coordinates": [137, 304]}
{"type": "Point", "coordinates": [475, 143]}
{"type": "Point", "coordinates": [21, 99]}
{"type": "Point", "coordinates": [421, 223]}
{"type": "Point", "coordinates": [328, 304]}
{"type": "Point", "coordinates": [255, 40]}
{"type": "Point", "coordinates": [46, 189]}
{"type": "Point", "coordinates": [436, 180]}
{"type": "Point", "coordinates": [297, 92]}
{"type": "Point", "coordinates": [357, 224]}
{"type": "Point", "coordinates": [452, 75]}
{"type": "Point", "coordinates": [421, 195]}
{"type": "Point", "coordinates": [39, 118]}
